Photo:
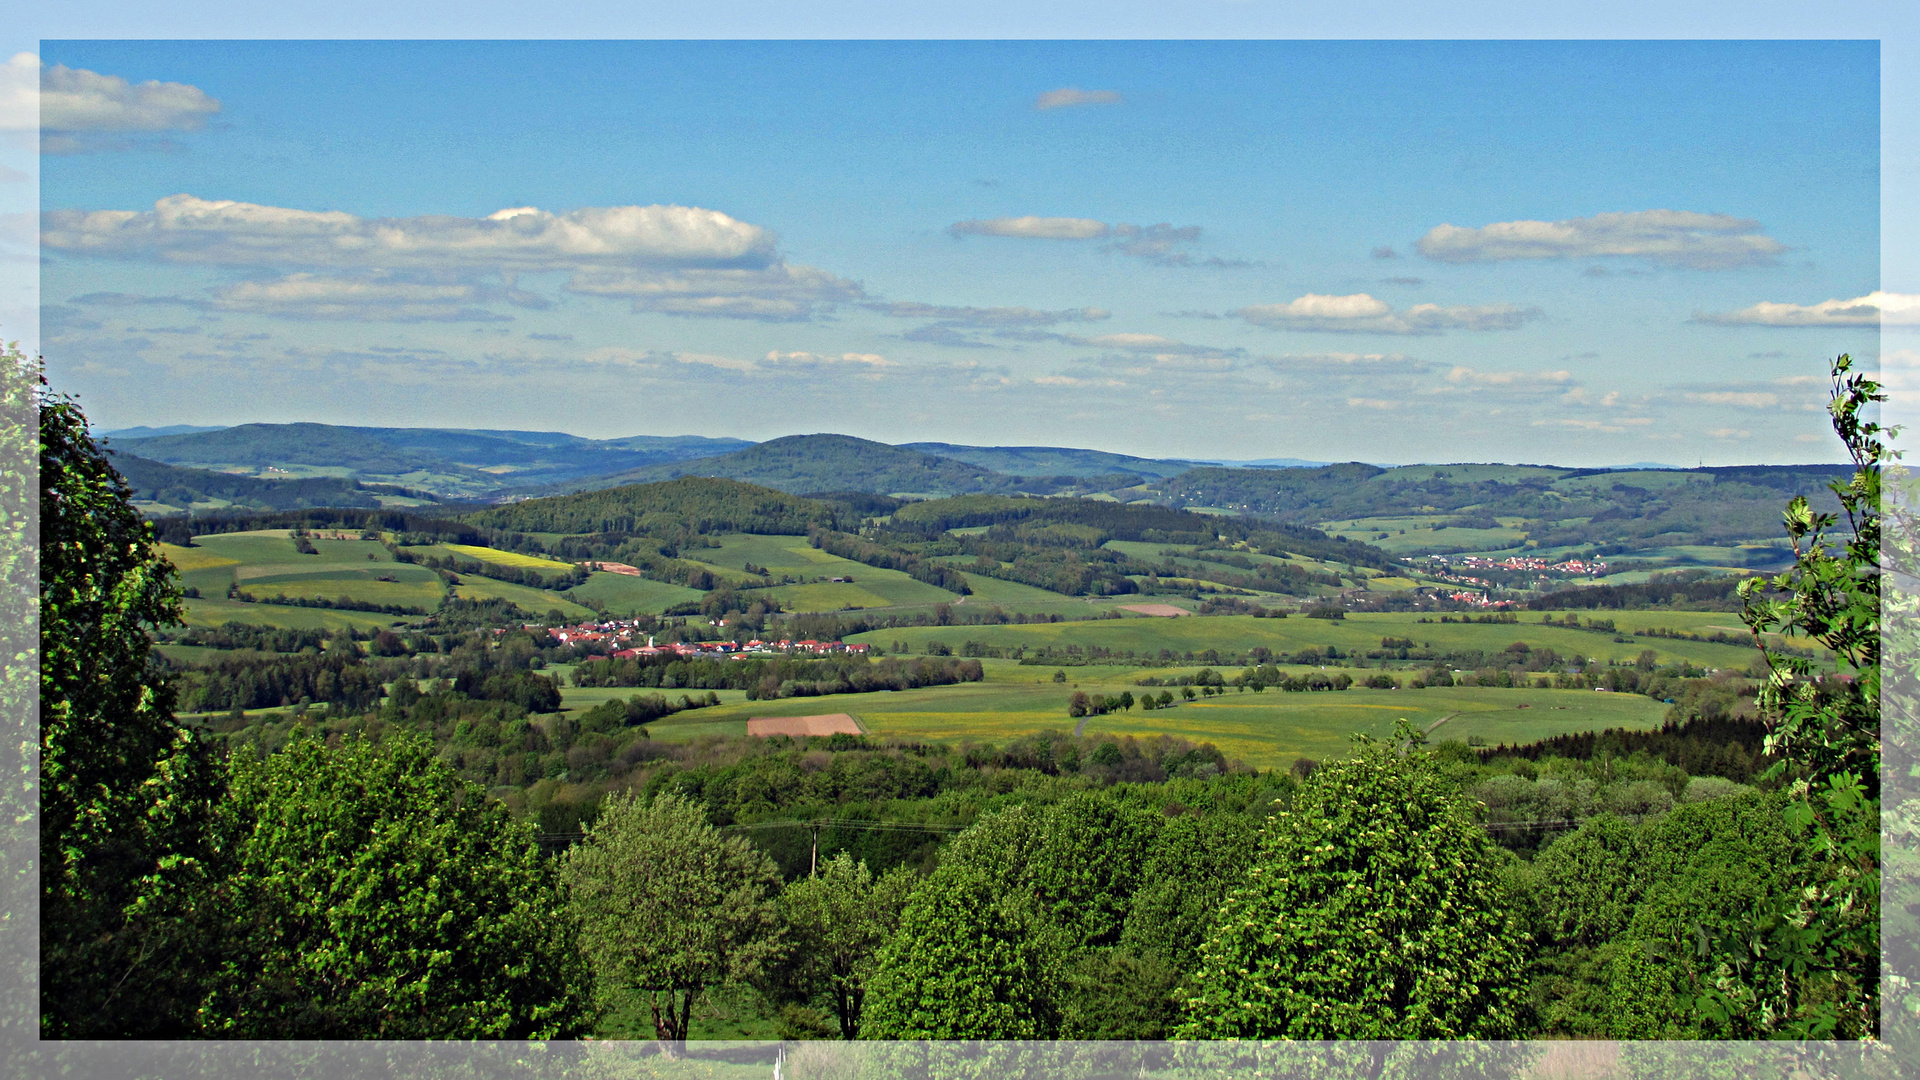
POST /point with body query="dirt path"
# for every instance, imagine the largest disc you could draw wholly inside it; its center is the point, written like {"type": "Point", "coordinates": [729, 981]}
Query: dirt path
{"type": "Point", "coordinates": [1080, 728]}
{"type": "Point", "coordinates": [1442, 720]}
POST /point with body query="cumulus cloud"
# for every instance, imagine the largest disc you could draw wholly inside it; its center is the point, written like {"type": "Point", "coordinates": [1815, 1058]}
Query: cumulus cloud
{"type": "Point", "coordinates": [1874, 309]}
{"type": "Point", "coordinates": [20, 93]}
{"type": "Point", "coordinates": [1610, 426]}
{"type": "Point", "coordinates": [1033, 228]}
{"type": "Point", "coordinates": [1361, 313]}
{"type": "Point", "coordinates": [75, 99]}
{"type": "Point", "coordinates": [1348, 363]}
{"type": "Point", "coordinates": [1677, 238]}
{"type": "Point", "coordinates": [371, 299]}
{"type": "Point", "coordinates": [183, 228]}
{"type": "Point", "coordinates": [1743, 399]}
{"type": "Point", "coordinates": [991, 316]}
{"type": "Point", "coordinates": [1161, 244]}
{"type": "Point", "coordinates": [780, 293]}
{"type": "Point", "coordinates": [1539, 381]}
{"type": "Point", "coordinates": [1072, 97]}
{"type": "Point", "coordinates": [675, 260]}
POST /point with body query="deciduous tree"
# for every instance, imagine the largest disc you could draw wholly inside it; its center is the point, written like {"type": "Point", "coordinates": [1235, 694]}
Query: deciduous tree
{"type": "Point", "coordinates": [373, 894]}
{"type": "Point", "coordinates": [668, 905]}
{"type": "Point", "coordinates": [836, 923]}
{"type": "Point", "coordinates": [1374, 911]}
{"type": "Point", "coordinates": [125, 791]}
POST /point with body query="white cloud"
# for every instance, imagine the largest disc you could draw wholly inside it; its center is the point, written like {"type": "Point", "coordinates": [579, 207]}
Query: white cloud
{"type": "Point", "coordinates": [807, 359]}
{"type": "Point", "coordinates": [1382, 404]}
{"type": "Point", "coordinates": [1466, 376]}
{"type": "Point", "coordinates": [1160, 244]}
{"type": "Point", "coordinates": [675, 260]}
{"type": "Point", "coordinates": [307, 296]}
{"type": "Point", "coordinates": [20, 93]}
{"type": "Point", "coordinates": [1033, 228]}
{"type": "Point", "coordinates": [1679, 238]}
{"type": "Point", "coordinates": [1739, 399]}
{"type": "Point", "coordinates": [1360, 313]}
{"type": "Point", "coordinates": [11, 175]}
{"type": "Point", "coordinates": [1072, 97]}
{"type": "Point", "coordinates": [74, 99]}
{"type": "Point", "coordinates": [182, 228]}
{"type": "Point", "coordinates": [780, 293]}
{"type": "Point", "coordinates": [1874, 309]}
{"type": "Point", "coordinates": [1730, 434]}
{"type": "Point", "coordinates": [1347, 363]}
{"type": "Point", "coordinates": [994, 316]}
{"type": "Point", "coordinates": [1613, 426]}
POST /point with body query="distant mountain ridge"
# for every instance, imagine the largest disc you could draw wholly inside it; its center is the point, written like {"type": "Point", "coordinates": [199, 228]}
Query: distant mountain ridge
{"type": "Point", "coordinates": [465, 463]}
{"type": "Point", "coordinates": [802, 463]}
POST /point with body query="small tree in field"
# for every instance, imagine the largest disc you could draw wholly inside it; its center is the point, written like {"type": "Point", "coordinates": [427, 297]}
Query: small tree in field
{"type": "Point", "coordinates": [668, 905]}
{"type": "Point", "coordinates": [836, 923]}
{"type": "Point", "coordinates": [1374, 911]}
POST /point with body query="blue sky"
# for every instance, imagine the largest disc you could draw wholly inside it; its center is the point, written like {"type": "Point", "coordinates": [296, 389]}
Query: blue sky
{"type": "Point", "coordinates": [1586, 253]}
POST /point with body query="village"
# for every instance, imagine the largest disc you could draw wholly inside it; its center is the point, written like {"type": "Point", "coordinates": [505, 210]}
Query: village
{"type": "Point", "coordinates": [616, 639]}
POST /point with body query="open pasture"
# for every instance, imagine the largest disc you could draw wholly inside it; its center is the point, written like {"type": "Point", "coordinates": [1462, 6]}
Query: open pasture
{"type": "Point", "coordinates": [534, 601]}
{"type": "Point", "coordinates": [792, 556]}
{"type": "Point", "coordinates": [217, 612]}
{"type": "Point", "coordinates": [624, 594]}
{"type": "Point", "coordinates": [265, 564]}
{"type": "Point", "coordinates": [1268, 730]}
{"type": "Point", "coordinates": [1232, 635]}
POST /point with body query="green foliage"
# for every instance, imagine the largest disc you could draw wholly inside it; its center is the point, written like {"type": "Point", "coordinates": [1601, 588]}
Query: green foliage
{"type": "Point", "coordinates": [1586, 882]}
{"type": "Point", "coordinates": [1373, 912]}
{"type": "Point", "coordinates": [668, 905]}
{"type": "Point", "coordinates": [155, 482]}
{"type": "Point", "coordinates": [1196, 860]}
{"type": "Point", "coordinates": [125, 791]}
{"type": "Point", "coordinates": [371, 894]}
{"type": "Point", "coordinates": [835, 925]}
{"type": "Point", "coordinates": [1807, 965]}
{"type": "Point", "coordinates": [799, 463]}
{"type": "Point", "coordinates": [968, 961]}
{"type": "Point", "coordinates": [665, 509]}
{"type": "Point", "coordinates": [19, 623]}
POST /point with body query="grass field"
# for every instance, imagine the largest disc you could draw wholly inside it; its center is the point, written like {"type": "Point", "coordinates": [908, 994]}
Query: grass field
{"type": "Point", "coordinates": [1268, 730]}
{"type": "Point", "coordinates": [871, 586]}
{"type": "Point", "coordinates": [534, 601]}
{"type": "Point", "coordinates": [265, 564]}
{"type": "Point", "coordinates": [1357, 633]}
{"type": "Point", "coordinates": [626, 595]}
{"type": "Point", "coordinates": [217, 612]}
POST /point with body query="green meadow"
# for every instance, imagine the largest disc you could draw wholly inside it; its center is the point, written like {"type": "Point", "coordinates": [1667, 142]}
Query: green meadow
{"type": "Point", "coordinates": [792, 556]}
{"type": "Point", "coordinates": [1267, 730]}
{"type": "Point", "coordinates": [1232, 635]}
{"type": "Point", "coordinates": [624, 594]}
{"type": "Point", "coordinates": [266, 565]}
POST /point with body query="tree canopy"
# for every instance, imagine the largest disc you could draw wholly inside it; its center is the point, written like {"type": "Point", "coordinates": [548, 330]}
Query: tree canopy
{"type": "Point", "coordinates": [1375, 910]}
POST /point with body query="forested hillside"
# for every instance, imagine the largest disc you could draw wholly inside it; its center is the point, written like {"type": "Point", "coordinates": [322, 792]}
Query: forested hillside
{"type": "Point", "coordinates": [446, 461]}
{"type": "Point", "coordinates": [693, 504]}
{"type": "Point", "coordinates": [173, 489]}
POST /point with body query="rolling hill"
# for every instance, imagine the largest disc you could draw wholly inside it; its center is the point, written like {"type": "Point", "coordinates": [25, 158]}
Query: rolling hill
{"type": "Point", "coordinates": [163, 489]}
{"type": "Point", "coordinates": [801, 463]}
{"type": "Point", "coordinates": [453, 462]}
{"type": "Point", "coordinates": [1051, 461]}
